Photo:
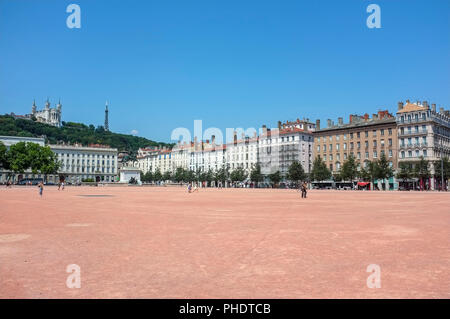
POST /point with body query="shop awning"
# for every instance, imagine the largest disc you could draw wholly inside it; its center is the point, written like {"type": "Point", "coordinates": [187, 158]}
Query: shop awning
{"type": "Point", "coordinates": [363, 183]}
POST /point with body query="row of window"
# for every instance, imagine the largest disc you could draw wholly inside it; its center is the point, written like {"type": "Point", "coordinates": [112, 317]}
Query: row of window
{"type": "Point", "coordinates": [416, 153]}
{"type": "Point", "coordinates": [85, 155]}
{"type": "Point", "coordinates": [83, 169]}
{"type": "Point", "coordinates": [358, 155]}
{"type": "Point", "coordinates": [423, 116]}
{"type": "Point", "coordinates": [358, 145]}
{"type": "Point", "coordinates": [345, 136]}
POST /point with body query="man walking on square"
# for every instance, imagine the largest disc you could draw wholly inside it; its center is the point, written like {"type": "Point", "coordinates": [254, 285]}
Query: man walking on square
{"type": "Point", "coordinates": [304, 189]}
{"type": "Point", "coordinates": [41, 188]}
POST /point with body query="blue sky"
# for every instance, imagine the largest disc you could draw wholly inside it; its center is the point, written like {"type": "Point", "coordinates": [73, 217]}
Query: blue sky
{"type": "Point", "coordinates": [162, 64]}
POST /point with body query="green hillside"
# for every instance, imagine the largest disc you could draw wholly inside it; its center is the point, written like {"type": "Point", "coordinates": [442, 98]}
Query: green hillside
{"type": "Point", "coordinates": [73, 132]}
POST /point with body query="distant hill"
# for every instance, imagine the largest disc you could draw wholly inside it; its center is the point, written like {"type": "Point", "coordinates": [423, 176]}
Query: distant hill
{"type": "Point", "coordinates": [71, 132]}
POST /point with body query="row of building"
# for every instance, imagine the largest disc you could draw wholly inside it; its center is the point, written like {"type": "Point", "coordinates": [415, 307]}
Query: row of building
{"type": "Point", "coordinates": [415, 130]}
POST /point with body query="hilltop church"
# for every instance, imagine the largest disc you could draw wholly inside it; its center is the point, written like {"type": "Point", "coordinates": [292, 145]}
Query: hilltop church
{"type": "Point", "coordinates": [48, 115]}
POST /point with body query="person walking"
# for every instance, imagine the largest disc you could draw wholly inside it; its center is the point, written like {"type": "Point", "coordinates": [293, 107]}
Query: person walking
{"type": "Point", "coordinates": [41, 188]}
{"type": "Point", "coordinates": [304, 189]}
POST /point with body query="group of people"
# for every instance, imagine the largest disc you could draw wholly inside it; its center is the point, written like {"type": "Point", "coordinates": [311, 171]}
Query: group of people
{"type": "Point", "coordinates": [192, 189]}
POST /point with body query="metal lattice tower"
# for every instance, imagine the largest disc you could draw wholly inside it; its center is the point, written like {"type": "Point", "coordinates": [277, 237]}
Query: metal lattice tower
{"type": "Point", "coordinates": [106, 117]}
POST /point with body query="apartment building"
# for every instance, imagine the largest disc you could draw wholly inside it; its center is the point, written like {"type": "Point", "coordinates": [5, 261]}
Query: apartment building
{"type": "Point", "coordinates": [365, 137]}
{"type": "Point", "coordinates": [291, 141]}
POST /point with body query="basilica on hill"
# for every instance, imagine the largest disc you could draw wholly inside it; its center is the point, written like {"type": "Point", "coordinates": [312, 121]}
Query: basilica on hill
{"type": "Point", "coordinates": [48, 115]}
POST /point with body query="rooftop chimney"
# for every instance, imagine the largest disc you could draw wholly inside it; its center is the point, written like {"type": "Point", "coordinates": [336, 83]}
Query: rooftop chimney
{"type": "Point", "coordinates": [374, 116]}
{"type": "Point", "coordinates": [407, 101]}
{"type": "Point", "coordinates": [433, 107]}
{"type": "Point", "coordinates": [317, 125]}
{"type": "Point", "coordinates": [400, 106]}
{"type": "Point", "coordinates": [213, 139]}
{"type": "Point", "coordinates": [340, 121]}
{"type": "Point", "coordinates": [425, 104]}
{"type": "Point", "coordinates": [328, 123]}
{"type": "Point", "coordinates": [441, 110]}
{"type": "Point", "coordinates": [279, 125]}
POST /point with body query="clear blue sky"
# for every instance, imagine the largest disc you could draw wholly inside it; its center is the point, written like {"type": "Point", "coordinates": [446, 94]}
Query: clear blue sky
{"type": "Point", "coordinates": [162, 64]}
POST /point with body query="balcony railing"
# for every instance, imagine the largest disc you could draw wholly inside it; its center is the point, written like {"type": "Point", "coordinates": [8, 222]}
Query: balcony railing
{"type": "Point", "coordinates": [405, 133]}
{"type": "Point", "coordinates": [413, 145]}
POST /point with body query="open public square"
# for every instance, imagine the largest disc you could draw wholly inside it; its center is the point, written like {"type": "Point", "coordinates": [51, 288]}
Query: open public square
{"type": "Point", "coordinates": [163, 242]}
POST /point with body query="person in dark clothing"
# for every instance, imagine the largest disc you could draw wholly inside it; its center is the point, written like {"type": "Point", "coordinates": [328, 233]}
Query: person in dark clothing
{"type": "Point", "coordinates": [304, 188]}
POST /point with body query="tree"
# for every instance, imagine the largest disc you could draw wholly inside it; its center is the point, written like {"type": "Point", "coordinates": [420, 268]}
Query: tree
{"type": "Point", "coordinates": [189, 176]}
{"type": "Point", "coordinates": [422, 171]}
{"type": "Point", "coordinates": [349, 169]}
{"type": "Point", "coordinates": [48, 162]}
{"type": "Point", "coordinates": [147, 177]}
{"type": "Point", "coordinates": [405, 171]}
{"type": "Point", "coordinates": [157, 176]}
{"type": "Point", "coordinates": [296, 173]}
{"type": "Point", "coordinates": [369, 172]}
{"type": "Point", "coordinates": [4, 163]}
{"type": "Point", "coordinates": [384, 170]}
{"type": "Point", "coordinates": [255, 174]}
{"type": "Point", "coordinates": [319, 171]}
{"type": "Point", "coordinates": [208, 176]}
{"type": "Point", "coordinates": [275, 177]}
{"type": "Point", "coordinates": [221, 175]}
{"type": "Point", "coordinates": [442, 170]}
{"type": "Point", "coordinates": [238, 175]}
{"type": "Point", "coordinates": [179, 175]}
{"type": "Point", "coordinates": [167, 176]}
{"type": "Point", "coordinates": [18, 158]}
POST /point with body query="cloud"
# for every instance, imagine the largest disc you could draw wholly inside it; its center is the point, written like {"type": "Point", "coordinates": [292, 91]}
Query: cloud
{"type": "Point", "coordinates": [134, 132]}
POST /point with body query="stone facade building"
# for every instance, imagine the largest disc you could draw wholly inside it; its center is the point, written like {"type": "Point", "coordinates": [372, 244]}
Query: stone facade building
{"type": "Point", "coordinates": [365, 137]}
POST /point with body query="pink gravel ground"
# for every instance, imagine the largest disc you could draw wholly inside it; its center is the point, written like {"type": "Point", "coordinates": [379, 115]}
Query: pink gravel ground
{"type": "Point", "coordinates": [148, 242]}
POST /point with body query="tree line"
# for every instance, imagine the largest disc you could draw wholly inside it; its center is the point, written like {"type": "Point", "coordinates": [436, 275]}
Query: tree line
{"type": "Point", "coordinates": [350, 171]}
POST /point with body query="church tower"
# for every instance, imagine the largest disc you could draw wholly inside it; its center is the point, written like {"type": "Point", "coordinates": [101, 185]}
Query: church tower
{"type": "Point", "coordinates": [106, 117]}
{"type": "Point", "coordinates": [33, 108]}
{"type": "Point", "coordinates": [58, 113]}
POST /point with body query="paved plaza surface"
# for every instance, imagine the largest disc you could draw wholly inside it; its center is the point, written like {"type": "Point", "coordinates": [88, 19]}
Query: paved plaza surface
{"type": "Point", "coordinates": [161, 242]}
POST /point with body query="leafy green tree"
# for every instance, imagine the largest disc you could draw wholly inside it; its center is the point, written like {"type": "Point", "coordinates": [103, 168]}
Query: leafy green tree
{"type": "Point", "coordinates": [372, 171]}
{"type": "Point", "coordinates": [405, 171]}
{"type": "Point", "coordinates": [157, 176]}
{"type": "Point", "coordinates": [384, 170]}
{"type": "Point", "coordinates": [320, 171]}
{"type": "Point", "coordinates": [208, 176]}
{"type": "Point", "coordinates": [48, 162]}
{"type": "Point", "coordinates": [238, 175]}
{"type": "Point", "coordinates": [349, 169]}
{"type": "Point", "coordinates": [422, 170]}
{"type": "Point", "coordinates": [18, 158]}
{"type": "Point", "coordinates": [179, 175]}
{"type": "Point", "coordinates": [275, 177]}
{"type": "Point", "coordinates": [4, 162]}
{"type": "Point", "coordinates": [255, 174]}
{"type": "Point", "coordinates": [296, 173]}
{"type": "Point", "coordinates": [167, 176]}
{"type": "Point", "coordinates": [190, 176]}
{"type": "Point", "coordinates": [221, 175]}
{"type": "Point", "coordinates": [442, 169]}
